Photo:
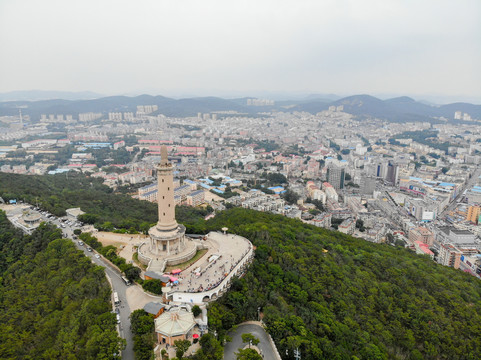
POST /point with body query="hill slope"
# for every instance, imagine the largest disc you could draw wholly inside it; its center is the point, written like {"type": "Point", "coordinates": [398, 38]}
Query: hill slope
{"type": "Point", "coordinates": [337, 297]}
{"type": "Point", "coordinates": [333, 296]}
{"type": "Point", "coordinates": [54, 304]}
{"type": "Point", "coordinates": [401, 109]}
{"type": "Point", "coordinates": [166, 106]}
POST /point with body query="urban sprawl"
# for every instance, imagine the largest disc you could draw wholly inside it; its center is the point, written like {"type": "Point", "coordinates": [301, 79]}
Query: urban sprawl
{"type": "Point", "coordinates": [411, 184]}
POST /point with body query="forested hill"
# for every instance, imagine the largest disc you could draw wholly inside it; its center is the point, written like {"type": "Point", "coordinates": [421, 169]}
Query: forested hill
{"type": "Point", "coordinates": [107, 211]}
{"type": "Point", "coordinates": [337, 297]}
{"type": "Point", "coordinates": [54, 304]}
{"type": "Point", "coordinates": [334, 296]}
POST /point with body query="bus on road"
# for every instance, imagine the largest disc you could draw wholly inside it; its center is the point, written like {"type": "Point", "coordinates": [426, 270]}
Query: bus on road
{"type": "Point", "coordinates": [116, 299]}
{"type": "Point", "coordinates": [126, 281]}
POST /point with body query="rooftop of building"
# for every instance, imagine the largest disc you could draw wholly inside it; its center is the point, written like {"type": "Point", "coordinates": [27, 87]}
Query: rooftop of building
{"type": "Point", "coordinates": [175, 322]}
{"type": "Point", "coordinates": [153, 307]}
{"type": "Point", "coordinates": [423, 230]}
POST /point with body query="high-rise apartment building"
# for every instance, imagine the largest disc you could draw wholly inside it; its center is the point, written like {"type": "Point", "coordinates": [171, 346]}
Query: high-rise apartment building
{"type": "Point", "coordinates": [336, 176]}
{"type": "Point", "coordinates": [473, 214]}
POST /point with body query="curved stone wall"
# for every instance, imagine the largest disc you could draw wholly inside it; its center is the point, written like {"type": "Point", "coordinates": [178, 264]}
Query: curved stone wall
{"type": "Point", "coordinates": [144, 259]}
{"type": "Point", "coordinates": [201, 297]}
{"type": "Point", "coordinates": [185, 257]}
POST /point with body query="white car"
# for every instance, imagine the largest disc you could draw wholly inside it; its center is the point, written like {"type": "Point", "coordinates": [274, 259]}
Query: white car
{"type": "Point", "coordinates": [97, 256]}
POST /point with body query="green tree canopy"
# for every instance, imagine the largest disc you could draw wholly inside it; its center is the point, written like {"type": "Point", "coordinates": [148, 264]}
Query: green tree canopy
{"type": "Point", "coordinates": [247, 354]}
{"type": "Point", "coordinates": [55, 304]}
{"type": "Point", "coordinates": [249, 339]}
{"type": "Point", "coordinates": [196, 310]}
{"type": "Point", "coordinates": [181, 347]}
{"type": "Point", "coordinates": [335, 296]}
{"type": "Point", "coordinates": [211, 349]}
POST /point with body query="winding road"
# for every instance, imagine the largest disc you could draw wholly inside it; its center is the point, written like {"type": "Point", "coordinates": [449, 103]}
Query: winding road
{"type": "Point", "coordinates": [116, 282]}
{"type": "Point", "coordinates": [230, 348]}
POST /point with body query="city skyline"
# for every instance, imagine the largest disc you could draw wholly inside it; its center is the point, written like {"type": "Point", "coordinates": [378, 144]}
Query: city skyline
{"type": "Point", "coordinates": [224, 49]}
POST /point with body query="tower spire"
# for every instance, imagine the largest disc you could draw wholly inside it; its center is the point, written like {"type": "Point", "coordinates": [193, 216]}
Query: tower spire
{"type": "Point", "coordinates": [164, 158]}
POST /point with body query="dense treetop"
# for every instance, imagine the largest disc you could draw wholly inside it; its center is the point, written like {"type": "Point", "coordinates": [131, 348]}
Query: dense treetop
{"type": "Point", "coordinates": [331, 295]}
{"type": "Point", "coordinates": [108, 211]}
{"type": "Point", "coordinates": [338, 297]}
{"type": "Point", "coordinates": [54, 304]}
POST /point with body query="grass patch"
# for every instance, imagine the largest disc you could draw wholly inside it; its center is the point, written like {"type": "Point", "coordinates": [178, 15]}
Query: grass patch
{"type": "Point", "coordinates": [188, 263]}
{"type": "Point", "coordinates": [135, 257]}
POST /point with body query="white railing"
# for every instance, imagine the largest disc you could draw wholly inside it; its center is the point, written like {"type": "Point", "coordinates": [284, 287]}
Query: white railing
{"type": "Point", "coordinates": [223, 285]}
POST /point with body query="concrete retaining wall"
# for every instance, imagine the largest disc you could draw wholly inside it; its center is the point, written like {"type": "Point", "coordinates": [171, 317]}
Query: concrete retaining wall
{"type": "Point", "coordinates": [121, 237]}
{"type": "Point", "coordinates": [142, 258]}
{"type": "Point", "coordinates": [182, 258]}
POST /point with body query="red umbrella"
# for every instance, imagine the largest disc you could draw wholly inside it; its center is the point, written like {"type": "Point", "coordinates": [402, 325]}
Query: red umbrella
{"type": "Point", "coordinates": [195, 336]}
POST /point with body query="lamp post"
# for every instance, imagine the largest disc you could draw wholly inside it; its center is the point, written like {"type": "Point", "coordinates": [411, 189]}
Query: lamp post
{"type": "Point", "coordinates": [297, 353]}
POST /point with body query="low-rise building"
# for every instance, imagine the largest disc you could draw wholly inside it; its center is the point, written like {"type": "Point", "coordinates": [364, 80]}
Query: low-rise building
{"type": "Point", "coordinates": [322, 220]}
{"type": "Point", "coordinates": [195, 198]}
{"type": "Point", "coordinates": [423, 249]}
{"type": "Point", "coordinates": [73, 213]}
{"type": "Point", "coordinates": [154, 308]}
{"type": "Point", "coordinates": [463, 240]}
{"type": "Point", "coordinates": [473, 214]}
{"type": "Point", "coordinates": [175, 324]}
{"type": "Point", "coordinates": [422, 234]}
{"type": "Point", "coordinates": [347, 226]}
{"type": "Point", "coordinates": [375, 233]}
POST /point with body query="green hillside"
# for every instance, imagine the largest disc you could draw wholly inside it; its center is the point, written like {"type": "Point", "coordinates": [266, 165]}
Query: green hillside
{"type": "Point", "coordinates": [54, 304]}
{"type": "Point", "coordinates": [333, 296]}
{"type": "Point", "coordinates": [357, 300]}
{"type": "Point", "coordinates": [56, 193]}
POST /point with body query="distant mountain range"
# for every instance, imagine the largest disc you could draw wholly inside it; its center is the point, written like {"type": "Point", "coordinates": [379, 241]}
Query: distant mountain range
{"type": "Point", "coordinates": [400, 109]}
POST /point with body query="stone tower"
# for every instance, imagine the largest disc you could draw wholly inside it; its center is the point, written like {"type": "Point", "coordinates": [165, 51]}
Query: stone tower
{"type": "Point", "coordinates": [165, 193]}
{"type": "Point", "coordinates": [167, 236]}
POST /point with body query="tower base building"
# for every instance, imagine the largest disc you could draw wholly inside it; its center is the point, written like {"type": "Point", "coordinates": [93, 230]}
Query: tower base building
{"type": "Point", "coordinates": [167, 242]}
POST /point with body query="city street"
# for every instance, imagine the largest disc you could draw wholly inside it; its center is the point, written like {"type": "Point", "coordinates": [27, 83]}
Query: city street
{"type": "Point", "coordinates": [469, 184]}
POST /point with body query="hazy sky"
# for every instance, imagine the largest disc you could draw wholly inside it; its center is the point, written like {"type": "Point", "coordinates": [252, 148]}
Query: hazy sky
{"type": "Point", "coordinates": [224, 47]}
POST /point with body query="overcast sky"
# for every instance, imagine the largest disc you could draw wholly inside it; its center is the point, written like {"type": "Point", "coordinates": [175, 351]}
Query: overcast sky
{"type": "Point", "coordinates": [207, 47]}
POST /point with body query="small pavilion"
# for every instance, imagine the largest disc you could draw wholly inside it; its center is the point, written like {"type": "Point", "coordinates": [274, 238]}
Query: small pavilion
{"type": "Point", "coordinates": [176, 324]}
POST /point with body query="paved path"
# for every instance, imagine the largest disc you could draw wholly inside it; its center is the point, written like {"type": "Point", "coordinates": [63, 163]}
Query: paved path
{"type": "Point", "coordinates": [137, 297]}
{"type": "Point", "coordinates": [258, 331]}
{"type": "Point", "coordinates": [118, 286]}
{"type": "Point", "coordinates": [230, 248]}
